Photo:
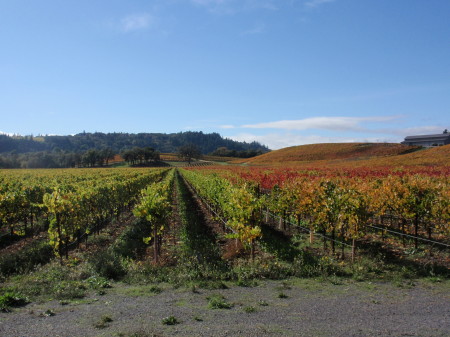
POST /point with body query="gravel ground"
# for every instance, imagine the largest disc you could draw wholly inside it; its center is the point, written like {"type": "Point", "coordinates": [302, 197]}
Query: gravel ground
{"type": "Point", "coordinates": [312, 308]}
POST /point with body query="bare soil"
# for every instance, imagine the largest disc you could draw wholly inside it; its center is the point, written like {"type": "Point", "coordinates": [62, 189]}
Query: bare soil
{"type": "Point", "coordinates": [311, 308]}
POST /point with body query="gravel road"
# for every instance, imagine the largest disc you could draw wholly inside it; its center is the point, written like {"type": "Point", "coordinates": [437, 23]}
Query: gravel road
{"type": "Point", "coordinates": [311, 308]}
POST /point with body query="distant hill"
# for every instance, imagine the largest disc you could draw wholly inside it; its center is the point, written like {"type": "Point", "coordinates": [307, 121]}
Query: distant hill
{"type": "Point", "coordinates": [355, 154]}
{"type": "Point", "coordinates": [119, 142]}
{"type": "Point", "coordinates": [436, 156]}
{"type": "Point", "coordinates": [331, 151]}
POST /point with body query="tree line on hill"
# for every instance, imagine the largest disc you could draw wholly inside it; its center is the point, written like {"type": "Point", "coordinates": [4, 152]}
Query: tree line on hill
{"type": "Point", "coordinates": [136, 156]}
{"type": "Point", "coordinates": [120, 142]}
{"type": "Point", "coordinates": [225, 152]}
{"type": "Point", "coordinates": [57, 159]}
{"type": "Point", "coordinates": [141, 156]}
{"type": "Point", "coordinates": [89, 158]}
{"type": "Point", "coordinates": [97, 149]}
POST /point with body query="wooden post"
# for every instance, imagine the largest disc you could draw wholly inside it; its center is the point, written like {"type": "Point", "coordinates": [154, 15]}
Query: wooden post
{"type": "Point", "coordinates": [32, 222]}
{"type": "Point", "coordinates": [333, 236]}
{"type": "Point", "coordinates": [353, 250]}
{"type": "Point", "coordinates": [59, 240]}
{"type": "Point", "coordinates": [403, 232]}
{"type": "Point", "coordinates": [155, 244]}
{"type": "Point", "coordinates": [416, 228]}
{"type": "Point", "coordinates": [252, 250]}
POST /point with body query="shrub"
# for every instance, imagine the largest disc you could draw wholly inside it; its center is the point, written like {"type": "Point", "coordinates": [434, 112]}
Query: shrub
{"type": "Point", "coordinates": [108, 265]}
{"type": "Point", "coordinates": [11, 299]}
{"type": "Point", "coordinates": [25, 260]}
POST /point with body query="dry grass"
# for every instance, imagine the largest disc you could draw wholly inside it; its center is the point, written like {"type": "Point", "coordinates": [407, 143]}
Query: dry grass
{"type": "Point", "coordinates": [353, 154]}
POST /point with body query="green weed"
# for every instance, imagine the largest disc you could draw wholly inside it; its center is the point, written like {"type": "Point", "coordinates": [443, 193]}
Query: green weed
{"type": "Point", "coordinates": [249, 309]}
{"type": "Point", "coordinates": [217, 301]}
{"type": "Point", "coordinates": [103, 322]}
{"type": "Point", "coordinates": [170, 320]}
{"type": "Point", "coordinates": [12, 299]}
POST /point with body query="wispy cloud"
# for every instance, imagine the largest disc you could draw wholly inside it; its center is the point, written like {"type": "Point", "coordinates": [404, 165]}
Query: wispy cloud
{"type": "Point", "coordinates": [317, 3]}
{"type": "Point", "coordinates": [210, 2]}
{"type": "Point", "coordinates": [227, 126]}
{"type": "Point", "coordinates": [233, 6]}
{"type": "Point", "coordinates": [322, 123]}
{"type": "Point", "coordinates": [136, 22]}
{"type": "Point", "coordinates": [332, 130]}
{"type": "Point", "coordinates": [217, 6]}
{"type": "Point", "coordinates": [280, 140]}
{"type": "Point", "coordinates": [257, 29]}
{"type": "Point", "coordinates": [412, 131]}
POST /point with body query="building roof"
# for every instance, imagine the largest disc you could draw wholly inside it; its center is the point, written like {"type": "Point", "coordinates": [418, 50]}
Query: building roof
{"type": "Point", "coordinates": [438, 136]}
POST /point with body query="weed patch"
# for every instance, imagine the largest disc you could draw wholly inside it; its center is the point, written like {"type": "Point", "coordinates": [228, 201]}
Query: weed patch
{"type": "Point", "coordinates": [171, 320]}
{"type": "Point", "coordinates": [103, 322]}
{"type": "Point", "coordinates": [11, 300]}
{"type": "Point", "coordinates": [249, 309]}
{"type": "Point", "coordinates": [217, 301]}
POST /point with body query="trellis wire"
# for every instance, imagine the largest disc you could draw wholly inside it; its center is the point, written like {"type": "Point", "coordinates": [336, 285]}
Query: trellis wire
{"type": "Point", "coordinates": [268, 192]}
{"type": "Point", "coordinates": [307, 229]}
{"type": "Point", "coordinates": [409, 236]}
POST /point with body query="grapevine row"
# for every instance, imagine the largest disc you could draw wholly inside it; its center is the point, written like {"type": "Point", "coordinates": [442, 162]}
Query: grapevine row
{"type": "Point", "coordinates": [238, 204]}
{"type": "Point", "coordinates": [344, 206]}
{"type": "Point", "coordinates": [74, 204]}
{"type": "Point", "coordinates": [154, 207]}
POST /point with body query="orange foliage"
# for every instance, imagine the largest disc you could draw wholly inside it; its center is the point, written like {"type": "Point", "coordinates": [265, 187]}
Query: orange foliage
{"type": "Point", "coordinates": [353, 155]}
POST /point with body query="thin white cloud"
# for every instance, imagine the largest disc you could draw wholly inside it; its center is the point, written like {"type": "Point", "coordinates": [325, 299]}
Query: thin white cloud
{"type": "Point", "coordinates": [136, 22]}
{"type": "Point", "coordinates": [277, 141]}
{"type": "Point", "coordinates": [217, 6]}
{"type": "Point", "coordinates": [416, 131]}
{"type": "Point", "coordinates": [317, 3]}
{"type": "Point", "coordinates": [209, 2]}
{"type": "Point", "coordinates": [227, 126]}
{"type": "Point", "coordinates": [234, 6]}
{"type": "Point", "coordinates": [260, 4]}
{"type": "Point", "coordinates": [322, 123]}
{"type": "Point", "coordinates": [257, 29]}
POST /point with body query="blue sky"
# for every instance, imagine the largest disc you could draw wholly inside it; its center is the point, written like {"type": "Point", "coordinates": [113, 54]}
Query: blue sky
{"type": "Point", "coordinates": [282, 72]}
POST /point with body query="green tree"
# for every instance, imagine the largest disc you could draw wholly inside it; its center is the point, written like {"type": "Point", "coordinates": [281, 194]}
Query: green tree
{"type": "Point", "coordinates": [189, 152]}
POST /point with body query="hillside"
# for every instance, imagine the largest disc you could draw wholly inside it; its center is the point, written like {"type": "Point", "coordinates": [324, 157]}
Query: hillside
{"type": "Point", "coordinates": [119, 142]}
{"type": "Point", "coordinates": [329, 151]}
{"type": "Point", "coordinates": [354, 154]}
{"type": "Point", "coordinates": [437, 156]}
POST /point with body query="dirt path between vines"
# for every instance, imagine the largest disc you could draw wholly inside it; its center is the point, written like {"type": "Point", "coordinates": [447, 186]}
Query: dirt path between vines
{"type": "Point", "coordinates": [312, 308]}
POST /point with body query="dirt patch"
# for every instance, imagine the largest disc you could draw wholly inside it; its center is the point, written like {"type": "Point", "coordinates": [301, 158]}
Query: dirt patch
{"type": "Point", "coordinates": [308, 308]}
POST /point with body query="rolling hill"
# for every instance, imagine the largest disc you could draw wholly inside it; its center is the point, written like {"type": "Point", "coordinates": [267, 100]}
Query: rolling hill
{"type": "Point", "coordinates": [354, 154]}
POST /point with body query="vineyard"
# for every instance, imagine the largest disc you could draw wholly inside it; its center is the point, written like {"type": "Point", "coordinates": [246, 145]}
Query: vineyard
{"type": "Point", "coordinates": [355, 155]}
{"type": "Point", "coordinates": [341, 209]}
{"type": "Point", "coordinates": [219, 223]}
